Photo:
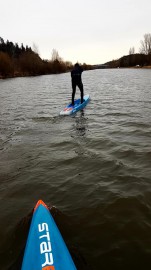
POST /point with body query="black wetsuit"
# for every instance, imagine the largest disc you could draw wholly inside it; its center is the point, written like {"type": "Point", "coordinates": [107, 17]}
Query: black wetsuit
{"type": "Point", "coordinates": [76, 81]}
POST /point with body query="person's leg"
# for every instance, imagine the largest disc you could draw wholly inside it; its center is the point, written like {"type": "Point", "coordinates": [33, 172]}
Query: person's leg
{"type": "Point", "coordinates": [80, 85]}
{"type": "Point", "coordinates": [73, 92]}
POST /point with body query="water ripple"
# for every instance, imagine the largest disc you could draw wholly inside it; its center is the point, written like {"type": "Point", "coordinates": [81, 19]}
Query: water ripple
{"type": "Point", "coordinates": [94, 166]}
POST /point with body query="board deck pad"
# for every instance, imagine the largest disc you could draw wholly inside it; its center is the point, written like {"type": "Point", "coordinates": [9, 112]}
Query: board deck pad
{"type": "Point", "coordinates": [71, 109]}
{"type": "Point", "coordinates": [45, 247]}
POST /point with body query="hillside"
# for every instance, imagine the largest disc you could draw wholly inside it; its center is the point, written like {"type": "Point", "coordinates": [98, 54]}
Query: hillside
{"type": "Point", "coordinates": [131, 60]}
{"type": "Point", "coordinates": [17, 61]}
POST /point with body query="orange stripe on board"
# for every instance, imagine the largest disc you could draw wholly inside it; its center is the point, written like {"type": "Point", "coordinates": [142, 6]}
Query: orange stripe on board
{"type": "Point", "coordinates": [39, 203]}
{"type": "Point", "coordinates": [48, 268]}
{"type": "Point", "coordinates": [68, 109]}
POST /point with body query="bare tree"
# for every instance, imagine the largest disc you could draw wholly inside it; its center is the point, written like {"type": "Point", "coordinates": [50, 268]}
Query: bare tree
{"type": "Point", "coordinates": [35, 48]}
{"type": "Point", "coordinates": [55, 55]}
{"type": "Point", "coordinates": [146, 44]}
{"type": "Point", "coordinates": [132, 50]}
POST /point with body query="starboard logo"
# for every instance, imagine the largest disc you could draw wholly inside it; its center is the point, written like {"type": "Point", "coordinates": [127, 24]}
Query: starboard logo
{"type": "Point", "coordinates": [45, 247]}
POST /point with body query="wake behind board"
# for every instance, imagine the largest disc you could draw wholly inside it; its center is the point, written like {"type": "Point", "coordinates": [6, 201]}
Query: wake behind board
{"type": "Point", "coordinates": [45, 247]}
{"type": "Point", "coordinates": [70, 109]}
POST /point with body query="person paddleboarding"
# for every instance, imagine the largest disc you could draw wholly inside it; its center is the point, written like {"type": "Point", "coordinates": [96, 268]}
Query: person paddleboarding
{"type": "Point", "coordinates": [77, 81]}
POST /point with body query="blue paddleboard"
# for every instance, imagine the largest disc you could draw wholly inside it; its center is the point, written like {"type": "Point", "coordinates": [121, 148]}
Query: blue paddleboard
{"type": "Point", "coordinates": [45, 247]}
{"type": "Point", "coordinates": [70, 109]}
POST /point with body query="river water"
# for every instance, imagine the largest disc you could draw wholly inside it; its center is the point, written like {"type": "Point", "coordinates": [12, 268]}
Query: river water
{"type": "Point", "coordinates": [95, 166]}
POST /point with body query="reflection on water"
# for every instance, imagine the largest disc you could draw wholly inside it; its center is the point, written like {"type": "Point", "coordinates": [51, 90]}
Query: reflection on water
{"type": "Point", "coordinates": [80, 124]}
{"type": "Point", "coordinates": [94, 166]}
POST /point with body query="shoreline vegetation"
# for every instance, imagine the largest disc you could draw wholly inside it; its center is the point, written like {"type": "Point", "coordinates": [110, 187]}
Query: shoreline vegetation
{"type": "Point", "coordinates": [21, 61]}
{"type": "Point", "coordinates": [137, 60]}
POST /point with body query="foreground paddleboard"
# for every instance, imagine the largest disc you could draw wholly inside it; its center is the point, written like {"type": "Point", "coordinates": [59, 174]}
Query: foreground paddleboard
{"type": "Point", "coordinates": [45, 247]}
{"type": "Point", "coordinates": [70, 109]}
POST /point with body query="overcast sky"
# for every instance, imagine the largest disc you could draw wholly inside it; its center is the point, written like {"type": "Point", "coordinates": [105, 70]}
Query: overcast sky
{"type": "Point", "coordinates": [90, 31]}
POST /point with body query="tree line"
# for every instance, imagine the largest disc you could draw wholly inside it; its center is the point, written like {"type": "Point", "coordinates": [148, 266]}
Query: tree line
{"type": "Point", "coordinates": [143, 58]}
{"type": "Point", "coordinates": [22, 60]}
{"type": "Point", "coordinates": [132, 60]}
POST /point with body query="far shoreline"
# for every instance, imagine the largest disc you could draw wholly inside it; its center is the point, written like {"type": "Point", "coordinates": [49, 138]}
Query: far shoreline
{"type": "Point", "coordinates": [21, 75]}
{"type": "Point", "coordinates": [144, 67]}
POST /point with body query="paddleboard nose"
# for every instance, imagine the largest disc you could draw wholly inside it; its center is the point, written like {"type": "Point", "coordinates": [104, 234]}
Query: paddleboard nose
{"type": "Point", "coordinates": [40, 202]}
